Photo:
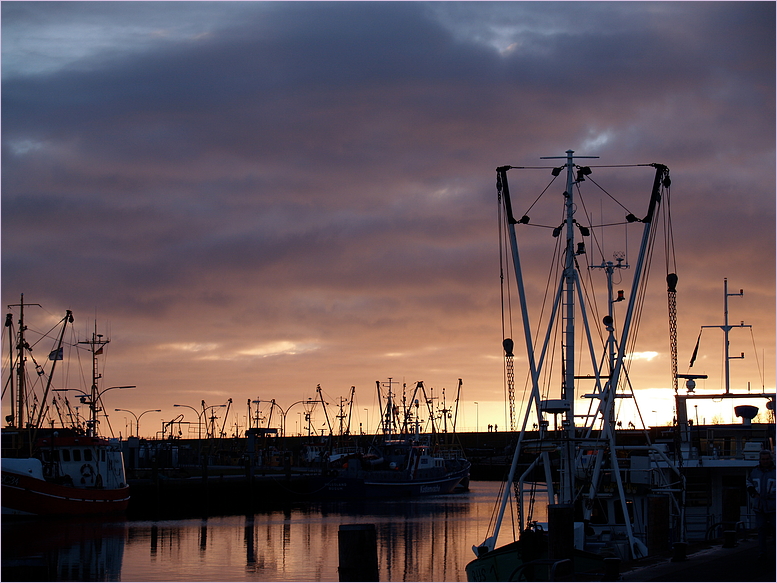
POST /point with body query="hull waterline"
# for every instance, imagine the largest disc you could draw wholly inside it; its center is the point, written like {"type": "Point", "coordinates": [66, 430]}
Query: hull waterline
{"type": "Point", "coordinates": [26, 495]}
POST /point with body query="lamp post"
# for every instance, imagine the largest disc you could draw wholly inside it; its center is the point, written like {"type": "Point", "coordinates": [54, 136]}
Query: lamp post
{"type": "Point", "coordinates": [138, 417]}
{"type": "Point", "coordinates": [93, 400]}
{"type": "Point", "coordinates": [477, 424]}
{"type": "Point", "coordinates": [286, 412]}
{"type": "Point", "coordinates": [137, 425]}
{"type": "Point", "coordinates": [367, 411]}
{"type": "Point", "coordinates": [131, 413]}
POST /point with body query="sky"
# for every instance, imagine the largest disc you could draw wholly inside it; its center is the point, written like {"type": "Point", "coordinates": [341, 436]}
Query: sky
{"type": "Point", "coordinates": [253, 199]}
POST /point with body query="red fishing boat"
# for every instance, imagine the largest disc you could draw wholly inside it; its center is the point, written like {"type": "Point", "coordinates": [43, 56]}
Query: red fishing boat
{"type": "Point", "coordinates": [48, 470]}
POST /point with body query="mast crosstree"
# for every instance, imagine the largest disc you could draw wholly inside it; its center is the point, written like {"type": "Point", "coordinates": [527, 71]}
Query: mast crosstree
{"type": "Point", "coordinates": [608, 374]}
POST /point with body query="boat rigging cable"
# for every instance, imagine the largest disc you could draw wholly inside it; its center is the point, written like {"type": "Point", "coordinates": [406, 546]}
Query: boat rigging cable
{"type": "Point", "coordinates": [624, 352]}
{"type": "Point", "coordinates": [26, 388]}
{"type": "Point", "coordinates": [670, 259]}
{"type": "Point", "coordinates": [506, 295]}
{"type": "Point", "coordinates": [506, 305]}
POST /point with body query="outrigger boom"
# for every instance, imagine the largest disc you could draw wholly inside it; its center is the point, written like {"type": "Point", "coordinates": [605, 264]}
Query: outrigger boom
{"type": "Point", "coordinates": [597, 432]}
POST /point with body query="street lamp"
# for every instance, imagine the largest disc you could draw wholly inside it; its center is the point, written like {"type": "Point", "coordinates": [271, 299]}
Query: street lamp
{"type": "Point", "coordinates": [477, 417]}
{"type": "Point", "coordinates": [131, 413]}
{"type": "Point", "coordinates": [367, 411]}
{"type": "Point", "coordinates": [137, 425]}
{"type": "Point", "coordinates": [309, 401]}
{"type": "Point", "coordinates": [138, 417]}
{"type": "Point", "coordinates": [92, 400]}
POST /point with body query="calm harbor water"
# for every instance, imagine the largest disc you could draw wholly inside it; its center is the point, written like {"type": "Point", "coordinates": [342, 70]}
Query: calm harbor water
{"type": "Point", "coordinates": [426, 539]}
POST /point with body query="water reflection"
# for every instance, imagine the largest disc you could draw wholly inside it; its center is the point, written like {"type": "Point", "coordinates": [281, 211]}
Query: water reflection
{"type": "Point", "coordinates": [426, 539]}
{"type": "Point", "coordinates": [62, 550]}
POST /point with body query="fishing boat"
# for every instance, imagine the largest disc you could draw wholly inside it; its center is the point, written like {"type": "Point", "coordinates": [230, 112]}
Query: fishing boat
{"type": "Point", "coordinates": [715, 458]}
{"type": "Point", "coordinates": [50, 469]}
{"type": "Point", "coordinates": [402, 468]}
{"type": "Point", "coordinates": [401, 461]}
{"type": "Point", "coordinates": [605, 499]}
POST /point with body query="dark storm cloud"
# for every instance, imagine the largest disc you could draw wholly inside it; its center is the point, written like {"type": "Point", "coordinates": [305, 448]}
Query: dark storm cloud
{"type": "Point", "coordinates": [322, 173]}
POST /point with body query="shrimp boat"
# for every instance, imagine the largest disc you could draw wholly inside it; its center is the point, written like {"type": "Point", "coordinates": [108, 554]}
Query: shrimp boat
{"type": "Point", "coordinates": [401, 461]}
{"type": "Point", "coordinates": [55, 470]}
{"type": "Point", "coordinates": [606, 499]}
{"type": "Point", "coordinates": [396, 468]}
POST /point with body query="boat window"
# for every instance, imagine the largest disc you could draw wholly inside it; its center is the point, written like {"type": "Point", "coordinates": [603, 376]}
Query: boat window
{"type": "Point", "coordinates": [65, 455]}
{"type": "Point", "coordinates": [88, 455]}
{"type": "Point", "coordinates": [76, 455]}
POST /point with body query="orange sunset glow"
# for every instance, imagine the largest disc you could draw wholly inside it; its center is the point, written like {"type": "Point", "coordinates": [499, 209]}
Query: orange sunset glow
{"type": "Point", "coordinates": [254, 199]}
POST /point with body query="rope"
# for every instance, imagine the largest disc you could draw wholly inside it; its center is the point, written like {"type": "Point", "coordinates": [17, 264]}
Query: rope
{"type": "Point", "coordinates": [758, 362]}
{"type": "Point", "coordinates": [505, 298]}
{"type": "Point", "coordinates": [540, 196]}
{"type": "Point", "coordinates": [588, 178]}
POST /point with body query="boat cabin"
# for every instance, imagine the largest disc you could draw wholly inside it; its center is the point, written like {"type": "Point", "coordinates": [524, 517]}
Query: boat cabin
{"type": "Point", "coordinates": [81, 461]}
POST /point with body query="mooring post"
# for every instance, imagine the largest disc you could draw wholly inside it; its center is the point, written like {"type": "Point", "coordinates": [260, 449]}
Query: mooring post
{"type": "Point", "coordinates": [358, 552]}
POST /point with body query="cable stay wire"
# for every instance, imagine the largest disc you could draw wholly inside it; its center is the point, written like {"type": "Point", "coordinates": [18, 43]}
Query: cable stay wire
{"type": "Point", "coordinates": [758, 362]}
{"type": "Point", "coordinates": [588, 178]}
{"type": "Point", "coordinates": [544, 190]}
{"type": "Point", "coordinates": [587, 282]}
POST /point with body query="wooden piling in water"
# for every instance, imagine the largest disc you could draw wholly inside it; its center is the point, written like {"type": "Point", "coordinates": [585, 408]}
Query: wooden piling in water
{"type": "Point", "coordinates": [358, 552]}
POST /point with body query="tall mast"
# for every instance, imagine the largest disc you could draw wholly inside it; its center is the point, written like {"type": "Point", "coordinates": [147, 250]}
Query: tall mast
{"type": "Point", "coordinates": [566, 493]}
{"type": "Point", "coordinates": [96, 345]}
{"type": "Point", "coordinates": [568, 388]}
{"type": "Point", "coordinates": [11, 349]}
{"type": "Point", "coordinates": [609, 321]}
{"type": "Point", "coordinates": [569, 278]}
{"type": "Point", "coordinates": [726, 327]}
{"type": "Point", "coordinates": [56, 354]}
{"type": "Point", "coordinates": [21, 383]}
{"type": "Point", "coordinates": [563, 306]}
{"type": "Point", "coordinates": [389, 420]}
{"type": "Point", "coordinates": [20, 361]}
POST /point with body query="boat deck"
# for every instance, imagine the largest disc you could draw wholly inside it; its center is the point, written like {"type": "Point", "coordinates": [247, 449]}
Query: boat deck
{"type": "Point", "coordinates": [710, 563]}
